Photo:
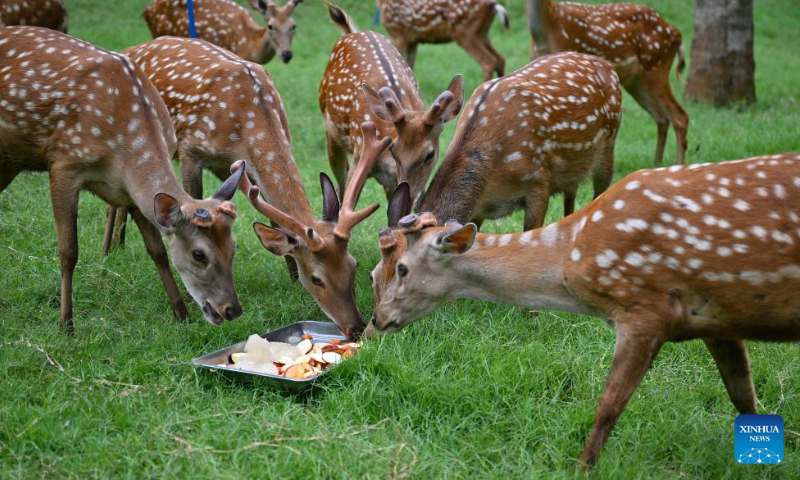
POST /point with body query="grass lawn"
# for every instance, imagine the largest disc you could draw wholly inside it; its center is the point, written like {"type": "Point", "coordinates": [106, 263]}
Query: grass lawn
{"type": "Point", "coordinates": [474, 389]}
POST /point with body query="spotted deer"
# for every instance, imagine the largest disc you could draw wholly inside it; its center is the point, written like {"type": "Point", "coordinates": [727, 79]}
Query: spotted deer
{"type": "Point", "coordinates": [365, 78]}
{"type": "Point", "coordinates": [223, 109]}
{"type": "Point", "coordinates": [466, 22]}
{"type": "Point", "coordinates": [709, 251]}
{"type": "Point", "coordinates": [50, 14]}
{"type": "Point", "coordinates": [92, 120]}
{"type": "Point", "coordinates": [327, 270]}
{"type": "Point", "coordinates": [229, 25]}
{"type": "Point", "coordinates": [635, 39]}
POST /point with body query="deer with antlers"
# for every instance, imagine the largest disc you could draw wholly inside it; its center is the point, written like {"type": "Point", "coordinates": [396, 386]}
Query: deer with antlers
{"type": "Point", "coordinates": [635, 39]}
{"type": "Point", "coordinates": [327, 270]}
{"type": "Point", "coordinates": [367, 63]}
{"type": "Point", "coordinates": [93, 121]}
{"type": "Point", "coordinates": [223, 109]}
{"type": "Point", "coordinates": [228, 25]}
{"type": "Point", "coordinates": [466, 22]}
{"type": "Point", "coordinates": [50, 14]}
{"type": "Point", "coordinates": [709, 251]}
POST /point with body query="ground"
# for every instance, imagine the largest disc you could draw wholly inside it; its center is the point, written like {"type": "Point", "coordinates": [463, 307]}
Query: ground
{"type": "Point", "coordinates": [474, 389]}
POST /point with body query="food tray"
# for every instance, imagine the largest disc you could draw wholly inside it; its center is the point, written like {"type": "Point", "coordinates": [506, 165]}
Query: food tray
{"type": "Point", "coordinates": [292, 334]}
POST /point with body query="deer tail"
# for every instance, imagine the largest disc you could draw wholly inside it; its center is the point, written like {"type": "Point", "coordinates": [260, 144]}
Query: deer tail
{"type": "Point", "coordinates": [681, 64]}
{"type": "Point", "coordinates": [344, 22]}
{"type": "Point", "coordinates": [501, 12]}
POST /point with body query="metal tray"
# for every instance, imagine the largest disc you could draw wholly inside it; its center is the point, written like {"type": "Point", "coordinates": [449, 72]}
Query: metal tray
{"type": "Point", "coordinates": [321, 331]}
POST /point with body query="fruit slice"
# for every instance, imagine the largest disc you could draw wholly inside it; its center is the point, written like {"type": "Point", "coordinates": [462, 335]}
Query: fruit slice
{"type": "Point", "coordinates": [295, 371]}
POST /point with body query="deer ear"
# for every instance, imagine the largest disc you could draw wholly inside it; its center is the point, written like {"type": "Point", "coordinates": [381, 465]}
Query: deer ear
{"type": "Point", "coordinates": [454, 108]}
{"type": "Point", "coordinates": [330, 201]}
{"type": "Point", "coordinates": [376, 104]}
{"type": "Point", "coordinates": [276, 241]}
{"type": "Point", "coordinates": [261, 6]}
{"type": "Point", "coordinates": [167, 211]}
{"type": "Point", "coordinates": [400, 204]}
{"type": "Point", "coordinates": [457, 241]}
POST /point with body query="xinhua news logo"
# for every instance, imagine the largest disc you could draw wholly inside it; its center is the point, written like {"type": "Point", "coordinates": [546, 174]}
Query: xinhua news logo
{"type": "Point", "coordinates": [759, 439]}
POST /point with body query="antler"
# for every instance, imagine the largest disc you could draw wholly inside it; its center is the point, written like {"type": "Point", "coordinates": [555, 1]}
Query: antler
{"type": "Point", "coordinates": [306, 233]}
{"type": "Point", "coordinates": [435, 112]}
{"type": "Point", "coordinates": [371, 149]}
{"type": "Point", "coordinates": [392, 104]}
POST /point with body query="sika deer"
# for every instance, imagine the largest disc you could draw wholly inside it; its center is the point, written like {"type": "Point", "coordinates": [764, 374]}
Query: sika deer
{"type": "Point", "coordinates": [228, 25]}
{"type": "Point", "coordinates": [50, 14]}
{"type": "Point", "coordinates": [635, 39]}
{"type": "Point", "coordinates": [466, 22]}
{"type": "Point", "coordinates": [708, 251]}
{"type": "Point", "coordinates": [93, 121]}
{"type": "Point", "coordinates": [223, 109]}
{"type": "Point", "coordinates": [367, 61]}
{"type": "Point", "coordinates": [320, 247]}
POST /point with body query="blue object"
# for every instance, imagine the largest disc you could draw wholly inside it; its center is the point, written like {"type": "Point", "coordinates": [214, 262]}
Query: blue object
{"type": "Point", "coordinates": [377, 18]}
{"type": "Point", "coordinates": [190, 11]}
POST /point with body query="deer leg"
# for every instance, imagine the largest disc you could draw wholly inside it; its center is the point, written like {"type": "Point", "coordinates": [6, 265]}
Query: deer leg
{"type": "Point", "coordinates": [660, 90]}
{"type": "Point", "coordinates": [633, 355]}
{"type": "Point", "coordinates": [535, 210]}
{"type": "Point", "coordinates": [120, 224]}
{"type": "Point", "coordinates": [64, 195]}
{"type": "Point", "coordinates": [111, 215]}
{"type": "Point", "coordinates": [337, 157]}
{"type": "Point", "coordinates": [499, 61]}
{"type": "Point", "coordinates": [640, 93]}
{"type": "Point", "coordinates": [603, 172]}
{"type": "Point", "coordinates": [476, 49]}
{"type": "Point", "coordinates": [155, 247]}
{"type": "Point", "coordinates": [191, 173]}
{"type": "Point", "coordinates": [569, 203]}
{"type": "Point", "coordinates": [734, 366]}
{"type": "Point", "coordinates": [7, 176]}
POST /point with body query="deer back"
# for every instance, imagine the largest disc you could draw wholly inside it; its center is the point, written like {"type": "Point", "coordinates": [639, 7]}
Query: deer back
{"type": "Point", "coordinates": [226, 109]}
{"type": "Point", "coordinates": [539, 128]}
{"type": "Point", "coordinates": [50, 14]}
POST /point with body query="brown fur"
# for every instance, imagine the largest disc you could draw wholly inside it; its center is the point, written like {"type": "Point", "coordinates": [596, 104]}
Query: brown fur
{"type": "Point", "coordinates": [228, 25]}
{"type": "Point", "coordinates": [634, 38]}
{"type": "Point", "coordinates": [93, 120]}
{"type": "Point", "coordinates": [50, 14]}
{"type": "Point", "coordinates": [466, 22]}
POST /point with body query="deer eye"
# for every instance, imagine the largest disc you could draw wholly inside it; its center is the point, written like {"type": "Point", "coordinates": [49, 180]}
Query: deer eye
{"type": "Point", "coordinates": [430, 155]}
{"type": "Point", "coordinates": [198, 255]}
{"type": "Point", "coordinates": [316, 281]}
{"type": "Point", "coordinates": [402, 270]}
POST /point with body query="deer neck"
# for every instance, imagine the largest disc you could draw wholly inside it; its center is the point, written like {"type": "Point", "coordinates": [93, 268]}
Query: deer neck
{"type": "Point", "coordinates": [524, 269]}
{"type": "Point", "coordinates": [456, 187]}
{"type": "Point", "coordinates": [281, 185]}
{"type": "Point", "coordinates": [259, 48]}
{"type": "Point", "coordinates": [149, 175]}
{"type": "Point", "coordinates": [539, 20]}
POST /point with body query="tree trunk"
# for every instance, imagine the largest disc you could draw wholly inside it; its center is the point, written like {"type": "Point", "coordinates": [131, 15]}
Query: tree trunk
{"type": "Point", "coordinates": [723, 69]}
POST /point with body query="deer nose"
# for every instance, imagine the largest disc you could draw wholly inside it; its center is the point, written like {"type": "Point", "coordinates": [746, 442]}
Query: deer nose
{"type": "Point", "coordinates": [232, 312]}
{"type": "Point", "coordinates": [286, 56]}
{"type": "Point", "coordinates": [355, 331]}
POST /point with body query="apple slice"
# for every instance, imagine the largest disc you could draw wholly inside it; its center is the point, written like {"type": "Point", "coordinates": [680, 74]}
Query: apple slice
{"type": "Point", "coordinates": [295, 371]}
{"type": "Point", "coordinates": [305, 346]}
{"type": "Point", "coordinates": [332, 357]}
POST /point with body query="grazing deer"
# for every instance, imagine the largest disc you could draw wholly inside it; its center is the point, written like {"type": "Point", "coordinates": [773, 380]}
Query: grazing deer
{"type": "Point", "coordinates": [228, 25]}
{"type": "Point", "coordinates": [366, 62]}
{"type": "Point", "coordinates": [50, 14]}
{"type": "Point", "coordinates": [327, 270]}
{"type": "Point", "coordinates": [635, 39]}
{"type": "Point", "coordinates": [527, 136]}
{"type": "Point", "coordinates": [466, 22]}
{"type": "Point", "coordinates": [708, 251]}
{"type": "Point", "coordinates": [223, 109]}
{"type": "Point", "coordinates": [92, 120]}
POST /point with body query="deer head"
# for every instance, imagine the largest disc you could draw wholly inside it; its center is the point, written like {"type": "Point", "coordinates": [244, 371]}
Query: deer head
{"type": "Point", "coordinates": [325, 267]}
{"type": "Point", "coordinates": [416, 148]}
{"type": "Point", "coordinates": [202, 247]}
{"type": "Point", "coordinates": [280, 25]}
{"type": "Point", "coordinates": [422, 279]}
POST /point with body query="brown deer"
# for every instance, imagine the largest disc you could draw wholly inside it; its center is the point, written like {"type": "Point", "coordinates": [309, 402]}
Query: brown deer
{"type": "Point", "coordinates": [50, 14]}
{"type": "Point", "coordinates": [566, 112]}
{"type": "Point", "coordinates": [466, 22]}
{"type": "Point", "coordinates": [223, 109]}
{"type": "Point", "coordinates": [92, 120]}
{"type": "Point", "coordinates": [366, 62]}
{"type": "Point", "coordinates": [708, 251]}
{"type": "Point", "coordinates": [327, 270]}
{"type": "Point", "coordinates": [229, 25]}
{"type": "Point", "coordinates": [635, 39]}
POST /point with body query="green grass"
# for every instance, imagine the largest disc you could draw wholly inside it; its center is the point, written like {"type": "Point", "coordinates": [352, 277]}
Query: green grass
{"type": "Point", "coordinates": [473, 390]}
